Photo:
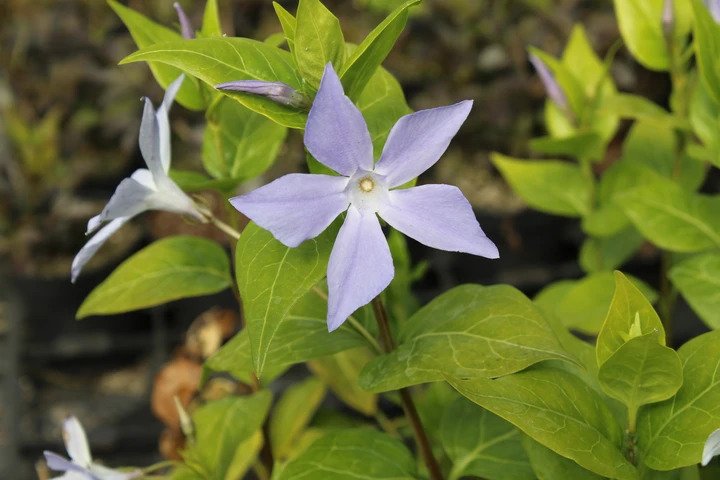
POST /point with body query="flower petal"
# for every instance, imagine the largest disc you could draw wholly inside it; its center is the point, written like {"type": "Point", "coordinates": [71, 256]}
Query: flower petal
{"type": "Point", "coordinates": [336, 133]}
{"type": "Point", "coordinates": [93, 245]}
{"type": "Point", "coordinates": [102, 472]}
{"type": "Point", "coordinates": [76, 442]}
{"type": "Point", "coordinates": [154, 136]}
{"type": "Point", "coordinates": [58, 463]}
{"type": "Point", "coordinates": [711, 448]}
{"type": "Point", "coordinates": [130, 198]}
{"type": "Point", "coordinates": [279, 92]}
{"type": "Point", "coordinates": [295, 207]}
{"type": "Point", "coordinates": [185, 25]}
{"type": "Point", "coordinates": [360, 266]}
{"type": "Point", "coordinates": [418, 140]}
{"type": "Point", "coordinates": [438, 216]}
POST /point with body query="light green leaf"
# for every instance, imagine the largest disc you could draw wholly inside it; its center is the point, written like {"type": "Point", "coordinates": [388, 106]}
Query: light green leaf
{"type": "Point", "coordinates": [147, 33]}
{"type": "Point", "coordinates": [629, 106]}
{"type": "Point", "coordinates": [539, 182]}
{"type": "Point", "coordinates": [698, 280]}
{"type": "Point", "coordinates": [352, 454]}
{"type": "Point", "coordinates": [629, 312]}
{"type": "Point", "coordinates": [221, 428]}
{"type": "Point", "coordinates": [481, 444]}
{"type": "Point", "coordinates": [293, 413]}
{"type": "Point", "coordinates": [211, 26]}
{"type": "Point", "coordinates": [671, 434]}
{"type": "Point", "coordinates": [641, 27]}
{"type": "Point", "coordinates": [286, 318]}
{"type": "Point", "coordinates": [707, 48]}
{"type": "Point", "coordinates": [235, 358]}
{"type": "Point", "coordinates": [224, 59]}
{"type": "Point", "coordinates": [382, 103]}
{"type": "Point", "coordinates": [469, 330]}
{"type": "Point", "coordinates": [580, 144]}
{"type": "Point", "coordinates": [704, 113]}
{"type": "Point", "coordinates": [641, 371]}
{"type": "Point", "coordinates": [318, 41]}
{"type": "Point", "coordinates": [548, 465]}
{"type": "Point", "coordinates": [371, 52]}
{"type": "Point", "coordinates": [288, 24]}
{"type": "Point", "coordinates": [340, 372]}
{"type": "Point", "coordinates": [190, 181]}
{"type": "Point", "coordinates": [608, 253]}
{"type": "Point", "coordinates": [239, 143]}
{"type": "Point", "coordinates": [169, 269]}
{"type": "Point", "coordinates": [673, 218]}
{"type": "Point", "coordinates": [559, 411]}
{"type": "Point", "coordinates": [245, 456]}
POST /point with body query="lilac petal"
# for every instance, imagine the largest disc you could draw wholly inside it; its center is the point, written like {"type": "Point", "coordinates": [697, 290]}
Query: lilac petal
{"type": "Point", "coordinates": [295, 207]}
{"type": "Point", "coordinates": [278, 92]}
{"type": "Point", "coordinates": [93, 245]}
{"type": "Point", "coordinates": [154, 136]}
{"type": "Point", "coordinates": [336, 133]}
{"type": "Point", "coordinates": [438, 216]}
{"type": "Point", "coordinates": [185, 25]}
{"type": "Point", "coordinates": [76, 442]}
{"type": "Point", "coordinates": [59, 463]}
{"type": "Point", "coordinates": [360, 266]}
{"type": "Point", "coordinates": [552, 87]}
{"type": "Point", "coordinates": [714, 8]}
{"type": "Point", "coordinates": [711, 448]}
{"type": "Point", "coordinates": [418, 140]}
{"type": "Point", "coordinates": [131, 197]}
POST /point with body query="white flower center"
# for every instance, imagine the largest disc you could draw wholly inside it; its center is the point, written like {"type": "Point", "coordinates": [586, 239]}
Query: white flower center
{"type": "Point", "coordinates": [367, 191]}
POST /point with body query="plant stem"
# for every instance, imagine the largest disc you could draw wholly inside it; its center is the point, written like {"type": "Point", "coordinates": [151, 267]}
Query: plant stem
{"type": "Point", "coordinates": [408, 405]}
{"type": "Point", "coordinates": [354, 323]}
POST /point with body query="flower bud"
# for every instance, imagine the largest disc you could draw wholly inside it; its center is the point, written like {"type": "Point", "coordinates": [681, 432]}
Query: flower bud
{"type": "Point", "coordinates": [278, 92]}
{"type": "Point", "coordinates": [668, 18]}
{"type": "Point", "coordinates": [714, 7]}
{"type": "Point", "coordinates": [185, 26]}
{"type": "Point", "coordinates": [552, 87]}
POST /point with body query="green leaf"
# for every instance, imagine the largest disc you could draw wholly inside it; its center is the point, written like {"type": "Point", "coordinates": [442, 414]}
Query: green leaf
{"type": "Point", "coordinates": [288, 24]}
{"type": "Point", "coordinates": [584, 305]}
{"type": "Point", "coordinates": [221, 428]}
{"type": "Point", "coordinates": [481, 444]}
{"type": "Point", "coordinates": [698, 280]}
{"type": "Point", "coordinates": [382, 103]}
{"type": "Point", "coordinates": [211, 26]}
{"type": "Point", "coordinates": [548, 465]}
{"type": "Point", "coordinates": [469, 330]}
{"type": "Point", "coordinates": [190, 181]}
{"type": "Point", "coordinates": [640, 24]}
{"type": "Point", "coordinates": [340, 372]}
{"type": "Point", "coordinates": [608, 253]}
{"type": "Point", "coordinates": [372, 51]}
{"type": "Point", "coordinates": [352, 454]}
{"type": "Point", "coordinates": [245, 456]}
{"type": "Point", "coordinates": [580, 144]}
{"type": "Point", "coordinates": [673, 218]}
{"type": "Point", "coordinates": [629, 106]}
{"type": "Point", "coordinates": [318, 41]}
{"type": "Point", "coordinates": [559, 411]}
{"type": "Point", "coordinates": [293, 413]}
{"type": "Point", "coordinates": [285, 314]}
{"type": "Point", "coordinates": [169, 269]}
{"type": "Point", "coordinates": [671, 434]}
{"type": "Point", "coordinates": [147, 33]}
{"type": "Point", "coordinates": [707, 48]}
{"type": "Point", "coordinates": [239, 143]}
{"type": "Point", "coordinates": [630, 314]}
{"type": "Point", "coordinates": [641, 371]}
{"type": "Point", "coordinates": [224, 59]}
{"type": "Point", "coordinates": [538, 183]}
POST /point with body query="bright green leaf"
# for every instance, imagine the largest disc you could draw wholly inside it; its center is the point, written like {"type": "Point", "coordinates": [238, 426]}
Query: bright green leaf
{"type": "Point", "coordinates": [698, 280]}
{"type": "Point", "coordinates": [235, 358]}
{"type": "Point", "coordinates": [629, 308]}
{"type": "Point", "coordinates": [352, 454]}
{"type": "Point", "coordinates": [671, 434]}
{"type": "Point", "coordinates": [559, 411]}
{"type": "Point", "coordinates": [707, 48]}
{"type": "Point", "coordinates": [211, 26]}
{"type": "Point", "coordinates": [581, 144]}
{"type": "Point", "coordinates": [550, 186]}
{"type": "Point", "coordinates": [548, 465]}
{"type": "Point", "coordinates": [225, 59]}
{"type": "Point", "coordinates": [481, 444]}
{"type": "Point", "coordinates": [641, 27]}
{"type": "Point", "coordinates": [318, 41]}
{"type": "Point", "coordinates": [292, 413]}
{"type": "Point", "coordinates": [469, 330]}
{"type": "Point", "coordinates": [288, 24]}
{"type": "Point", "coordinates": [608, 253]}
{"type": "Point", "coordinates": [169, 269]}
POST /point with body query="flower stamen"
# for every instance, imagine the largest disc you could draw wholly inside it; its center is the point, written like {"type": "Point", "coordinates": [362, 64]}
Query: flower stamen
{"type": "Point", "coordinates": [366, 184]}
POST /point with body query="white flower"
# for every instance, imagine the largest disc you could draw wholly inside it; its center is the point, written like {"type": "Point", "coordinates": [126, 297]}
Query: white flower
{"type": "Point", "coordinates": [711, 448]}
{"type": "Point", "coordinates": [80, 466]}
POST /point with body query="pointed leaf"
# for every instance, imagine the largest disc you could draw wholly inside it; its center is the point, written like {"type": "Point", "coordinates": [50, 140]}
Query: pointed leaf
{"type": "Point", "coordinates": [641, 27]}
{"type": "Point", "coordinates": [211, 26]}
{"type": "Point", "coordinates": [548, 465]}
{"type": "Point", "coordinates": [288, 24]}
{"type": "Point", "coordinates": [169, 269]}
{"type": "Point", "coordinates": [318, 41]}
{"type": "Point", "coordinates": [698, 280]}
{"type": "Point", "coordinates": [292, 413]}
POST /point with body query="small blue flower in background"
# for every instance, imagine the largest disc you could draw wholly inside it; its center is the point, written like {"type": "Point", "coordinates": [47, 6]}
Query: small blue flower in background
{"type": "Point", "coordinates": [714, 8]}
{"type": "Point", "coordinates": [80, 466]}
{"type": "Point", "coordinates": [552, 87]}
{"type": "Point", "coordinates": [711, 448]}
{"type": "Point", "coordinates": [145, 189]}
{"type": "Point", "coordinates": [185, 25]}
{"type": "Point", "coordinates": [298, 207]}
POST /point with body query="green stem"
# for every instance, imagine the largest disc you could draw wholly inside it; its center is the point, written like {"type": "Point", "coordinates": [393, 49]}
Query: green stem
{"type": "Point", "coordinates": [411, 413]}
{"type": "Point", "coordinates": [353, 323]}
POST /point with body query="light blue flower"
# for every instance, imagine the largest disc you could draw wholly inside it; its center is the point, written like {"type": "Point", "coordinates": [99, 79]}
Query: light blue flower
{"type": "Point", "coordinates": [80, 466]}
{"type": "Point", "coordinates": [552, 87]}
{"type": "Point", "coordinates": [711, 448]}
{"type": "Point", "coordinates": [298, 207]}
{"type": "Point", "coordinates": [185, 25]}
{"type": "Point", "coordinates": [147, 188]}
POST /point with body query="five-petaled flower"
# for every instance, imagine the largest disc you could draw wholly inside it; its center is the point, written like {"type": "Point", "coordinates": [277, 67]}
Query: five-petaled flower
{"type": "Point", "coordinates": [81, 466]}
{"type": "Point", "coordinates": [145, 189]}
{"type": "Point", "coordinates": [297, 207]}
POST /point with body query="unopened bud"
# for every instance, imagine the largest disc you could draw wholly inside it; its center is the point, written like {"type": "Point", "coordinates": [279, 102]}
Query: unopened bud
{"type": "Point", "coordinates": [714, 7]}
{"type": "Point", "coordinates": [185, 25]}
{"type": "Point", "coordinates": [278, 92]}
{"type": "Point", "coordinates": [668, 18]}
{"type": "Point", "coordinates": [552, 87]}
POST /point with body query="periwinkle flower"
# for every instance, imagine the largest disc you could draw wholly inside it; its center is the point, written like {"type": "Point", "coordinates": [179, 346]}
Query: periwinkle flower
{"type": "Point", "coordinates": [145, 189]}
{"type": "Point", "coordinates": [185, 25]}
{"type": "Point", "coordinates": [278, 92]}
{"type": "Point", "coordinates": [80, 466]}
{"type": "Point", "coordinates": [297, 207]}
{"type": "Point", "coordinates": [711, 448]}
{"type": "Point", "coordinates": [714, 7]}
{"type": "Point", "coordinates": [552, 87]}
